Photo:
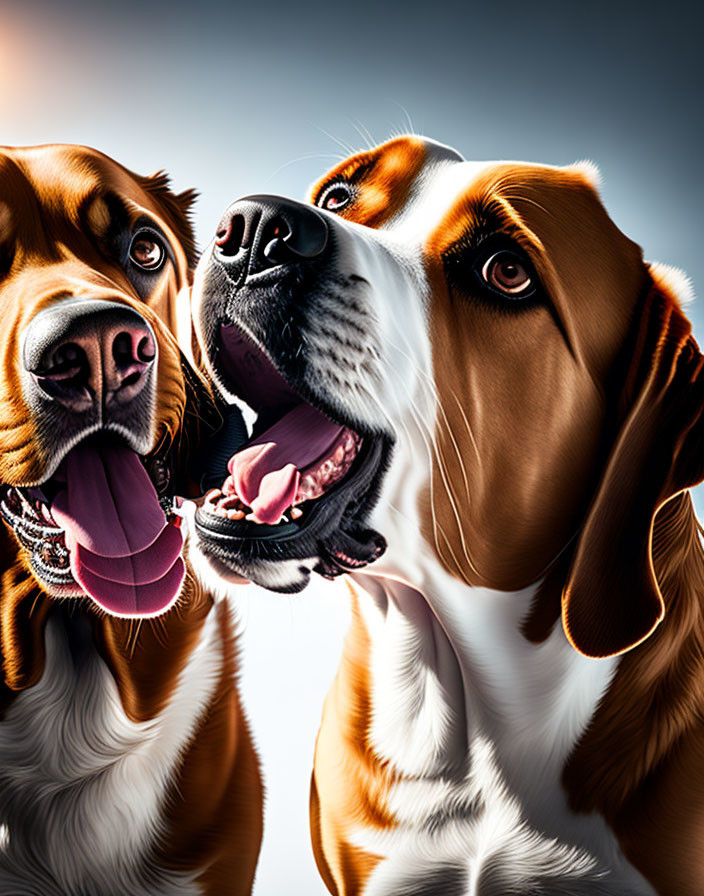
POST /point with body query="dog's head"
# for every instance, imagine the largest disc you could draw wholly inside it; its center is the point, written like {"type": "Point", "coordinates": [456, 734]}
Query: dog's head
{"type": "Point", "coordinates": [94, 394]}
{"type": "Point", "coordinates": [478, 343]}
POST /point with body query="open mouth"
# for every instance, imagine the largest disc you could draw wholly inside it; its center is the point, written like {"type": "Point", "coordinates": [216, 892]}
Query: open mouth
{"type": "Point", "coordinates": [102, 526]}
{"type": "Point", "coordinates": [299, 485]}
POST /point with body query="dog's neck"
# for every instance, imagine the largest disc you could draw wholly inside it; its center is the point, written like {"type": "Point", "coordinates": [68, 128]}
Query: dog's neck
{"type": "Point", "coordinates": [531, 701]}
{"type": "Point", "coordinates": [88, 761]}
{"type": "Point", "coordinates": [145, 657]}
{"type": "Point", "coordinates": [544, 707]}
{"type": "Point", "coordinates": [102, 734]}
{"type": "Point", "coordinates": [451, 669]}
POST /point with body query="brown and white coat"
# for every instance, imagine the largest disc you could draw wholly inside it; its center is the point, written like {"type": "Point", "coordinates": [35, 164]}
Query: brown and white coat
{"type": "Point", "coordinates": [126, 764]}
{"type": "Point", "coordinates": [544, 442]}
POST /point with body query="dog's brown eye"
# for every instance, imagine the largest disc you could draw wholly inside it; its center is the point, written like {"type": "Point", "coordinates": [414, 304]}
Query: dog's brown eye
{"type": "Point", "coordinates": [336, 197]}
{"type": "Point", "coordinates": [147, 251]}
{"type": "Point", "coordinates": [505, 272]}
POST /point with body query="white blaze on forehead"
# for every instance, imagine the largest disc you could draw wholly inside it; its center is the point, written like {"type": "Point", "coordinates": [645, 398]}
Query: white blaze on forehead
{"type": "Point", "coordinates": [441, 184]}
{"type": "Point", "coordinates": [437, 188]}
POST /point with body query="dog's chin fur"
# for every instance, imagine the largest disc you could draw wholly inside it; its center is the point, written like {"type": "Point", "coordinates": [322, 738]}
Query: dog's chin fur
{"type": "Point", "coordinates": [223, 580]}
{"type": "Point", "coordinates": [284, 576]}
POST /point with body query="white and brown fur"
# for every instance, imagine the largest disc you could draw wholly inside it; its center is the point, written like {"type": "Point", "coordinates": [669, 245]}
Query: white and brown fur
{"type": "Point", "coordinates": [126, 764]}
{"type": "Point", "coordinates": [518, 706]}
{"type": "Point", "coordinates": [472, 744]}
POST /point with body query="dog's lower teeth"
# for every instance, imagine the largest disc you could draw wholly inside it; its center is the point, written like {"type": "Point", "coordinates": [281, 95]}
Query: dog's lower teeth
{"type": "Point", "coordinates": [308, 489]}
{"type": "Point", "coordinates": [296, 513]}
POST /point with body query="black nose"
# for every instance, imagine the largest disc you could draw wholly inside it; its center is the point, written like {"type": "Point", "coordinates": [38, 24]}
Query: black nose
{"type": "Point", "coordinates": [82, 353]}
{"type": "Point", "coordinates": [267, 231]}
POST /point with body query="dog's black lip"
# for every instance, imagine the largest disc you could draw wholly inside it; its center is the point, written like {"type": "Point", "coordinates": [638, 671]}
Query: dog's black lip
{"type": "Point", "coordinates": [334, 535]}
{"type": "Point", "coordinates": [284, 532]}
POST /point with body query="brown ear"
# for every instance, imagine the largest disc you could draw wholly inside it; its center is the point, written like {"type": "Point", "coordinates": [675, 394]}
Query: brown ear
{"type": "Point", "coordinates": [612, 601]}
{"type": "Point", "coordinates": [177, 209]}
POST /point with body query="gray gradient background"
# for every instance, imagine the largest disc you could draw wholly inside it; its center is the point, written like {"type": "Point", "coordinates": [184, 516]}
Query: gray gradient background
{"type": "Point", "coordinates": [233, 99]}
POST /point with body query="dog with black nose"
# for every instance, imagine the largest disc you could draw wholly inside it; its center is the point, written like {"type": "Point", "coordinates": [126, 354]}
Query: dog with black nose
{"type": "Point", "coordinates": [471, 394]}
{"type": "Point", "coordinates": [126, 764]}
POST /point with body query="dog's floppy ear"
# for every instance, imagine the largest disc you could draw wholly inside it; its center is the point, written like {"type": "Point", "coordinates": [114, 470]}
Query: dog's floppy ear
{"type": "Point", "coordinates": [612, 601]}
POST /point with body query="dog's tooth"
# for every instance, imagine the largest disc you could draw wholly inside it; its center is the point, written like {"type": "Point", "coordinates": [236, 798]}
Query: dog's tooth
{"type": "Point", "coordinates": [235, 514]}
{"type": "Point", "coordinates": [212, 496]}
{"type": "Point", "coordinates": [308, 488]}
{"type": "Point", "coordinates": [339, 454]}
{"type": "Point", "coordinates": [296, 513]}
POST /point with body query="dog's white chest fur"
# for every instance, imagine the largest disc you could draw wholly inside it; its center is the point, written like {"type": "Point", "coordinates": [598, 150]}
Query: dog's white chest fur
{"type": "Point", "coordinates": [82, 786]}
{"type": "Point", "coordinates": [479, 728]}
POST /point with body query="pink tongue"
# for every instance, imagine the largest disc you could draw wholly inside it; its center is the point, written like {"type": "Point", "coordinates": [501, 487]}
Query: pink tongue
{"type": "Point", "coordinates": [123, 553]}
{"type": "Point", "coordinates": [266, 473]}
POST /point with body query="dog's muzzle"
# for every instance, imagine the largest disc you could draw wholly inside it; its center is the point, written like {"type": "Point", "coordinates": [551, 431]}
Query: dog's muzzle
{"type": "Point", "coordinates": [88, 355]}
{"type": "Point", "coordinates": [293, 494]}
{"type": "Point", "coordinates": [99, 522]}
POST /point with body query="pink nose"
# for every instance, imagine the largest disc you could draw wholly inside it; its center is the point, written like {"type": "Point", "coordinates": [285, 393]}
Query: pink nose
{"type": "Point", "coordinates": [87, 353]}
